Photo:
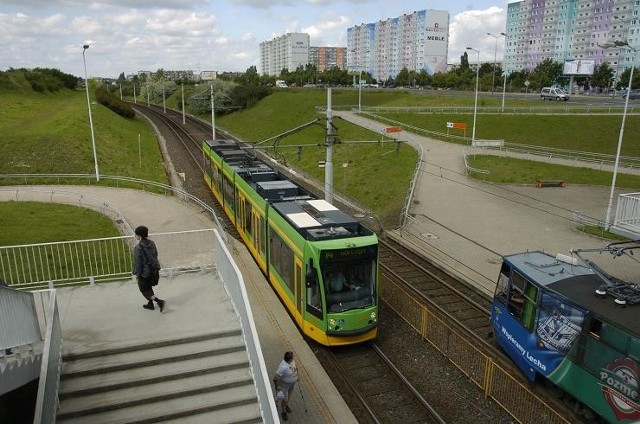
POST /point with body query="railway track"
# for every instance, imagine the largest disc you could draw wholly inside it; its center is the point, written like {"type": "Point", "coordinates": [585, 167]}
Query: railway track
{"type": "Point", "coordinates": [435, 287]}
{"type": "Point", "coordinates": [362, 367]}
{"type": "Point", "coordinates": [186, 140]}
{"type": "Point", "coordinates": [468, 311]}
{"type": "Point", "coordinates": [382, 393]}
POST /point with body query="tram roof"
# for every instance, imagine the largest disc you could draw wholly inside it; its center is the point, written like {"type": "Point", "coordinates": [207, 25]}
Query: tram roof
{"type": "Point", "coordinates": [317, 219]}
{"type": "Point", "coordinates": [577, 283]}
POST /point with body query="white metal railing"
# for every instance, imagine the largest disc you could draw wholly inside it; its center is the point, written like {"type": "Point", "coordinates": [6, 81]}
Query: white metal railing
{"type": "Point", "coordinates": [554, 109]}
{"type": "Point", "coordinates": [628, 212]}
{"type": "Point", "coordinates": [51, 366]}
{"type": "Point", "coordinates": [88, 261]}
{"type": "Point", "coordinates": [404, 214]}
{"type": "Point", "coordinates": [234, 284]}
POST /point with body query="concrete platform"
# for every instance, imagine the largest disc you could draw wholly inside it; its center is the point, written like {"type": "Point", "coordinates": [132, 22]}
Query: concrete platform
{"type": "Point", "coordinates": [93, 316]}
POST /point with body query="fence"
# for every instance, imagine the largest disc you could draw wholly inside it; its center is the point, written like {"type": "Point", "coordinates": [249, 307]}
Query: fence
{"type": "Point", "coordinates": [509, 392]}
{"type": "Point", "coordinates": [234, 284]}
{"type": "Point", "coordinates": [51, 366]}
{"type": "Point", "coordinates": [628, 213]}
{"type": "Point", "coordinates": [95, 260]}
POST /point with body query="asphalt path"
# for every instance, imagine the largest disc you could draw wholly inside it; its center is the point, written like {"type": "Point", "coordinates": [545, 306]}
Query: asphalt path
{"type": "Point", "coordinates": [468, 224]}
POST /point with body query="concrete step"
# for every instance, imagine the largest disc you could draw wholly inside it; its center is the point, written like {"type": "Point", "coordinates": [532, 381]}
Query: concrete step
{"type": "Point", "coordinates": [129, 359]}
{"type": "Point", "coordinates": [202, 375]}
{"type": "Point", "coordinates": [228, 406]}
{"type": "Point", "coordinates": [89, 384]}
{"type": "Point", "coordinates": [158, 392]}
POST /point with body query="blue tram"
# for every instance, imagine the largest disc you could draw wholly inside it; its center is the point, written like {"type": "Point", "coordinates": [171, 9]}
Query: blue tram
{"type": "Point", "coordinates": [300, 243]}
{"type": "Point", "coordinates": [573, 324]}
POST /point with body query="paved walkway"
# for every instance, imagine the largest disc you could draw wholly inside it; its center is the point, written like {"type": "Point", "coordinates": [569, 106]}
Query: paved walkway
{"type": "Point", "coordinates": [468, 224]}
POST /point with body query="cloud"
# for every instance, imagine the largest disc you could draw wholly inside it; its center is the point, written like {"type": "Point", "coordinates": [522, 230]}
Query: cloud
{"type": "Point", "coordinates": [470, 28]}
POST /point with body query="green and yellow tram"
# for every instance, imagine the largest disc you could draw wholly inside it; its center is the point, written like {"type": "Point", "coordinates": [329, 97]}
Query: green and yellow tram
{"type": "Point", "coordinates": [322, 263]}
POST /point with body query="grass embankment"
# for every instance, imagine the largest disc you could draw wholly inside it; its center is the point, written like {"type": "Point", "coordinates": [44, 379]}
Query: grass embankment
{"type": "Point", "coordinates": [50, 133]}
{"type": "Point", "coordinates": [57, 139]}
{"type": "Point", "coordinates": [377, 175]}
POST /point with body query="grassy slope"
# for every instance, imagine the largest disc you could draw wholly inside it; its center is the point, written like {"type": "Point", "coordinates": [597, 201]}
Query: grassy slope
{"type": "Point", "coordinates": [50, 133]}
{"type": "Point", "coordinates": [376, 175]}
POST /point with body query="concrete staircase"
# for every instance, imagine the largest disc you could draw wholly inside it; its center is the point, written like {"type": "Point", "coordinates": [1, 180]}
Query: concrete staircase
{"type": "Point", "coordinates": [198, 379]}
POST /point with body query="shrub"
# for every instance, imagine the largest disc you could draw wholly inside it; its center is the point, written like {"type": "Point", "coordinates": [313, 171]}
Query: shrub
{"type": "Point", "coordinates": [105, 98]}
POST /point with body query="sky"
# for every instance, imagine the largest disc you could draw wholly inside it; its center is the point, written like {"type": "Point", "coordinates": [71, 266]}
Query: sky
{"type": "Point", "coordinates": [210, 35]}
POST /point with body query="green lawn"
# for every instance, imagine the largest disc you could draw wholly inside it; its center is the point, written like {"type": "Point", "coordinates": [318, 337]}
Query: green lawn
{"type": "Point", "coordinates": [35, 222]}
{"type": "Point", "coordinates": [518, 171]}
{"type": "Point", "coordinates": [597, 134]}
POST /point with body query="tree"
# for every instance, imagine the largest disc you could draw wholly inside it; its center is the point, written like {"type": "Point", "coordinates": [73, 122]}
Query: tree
{"type": "Point", "coordinates": [623, 83]}
{"type": "Point", "coordinates": [603, 75]}
{"type": "Point", "coordinates": [545, 74]}
{"type": "Point", "coordinates": [402, 79]}
{"type": "Point", "coordinates": [464, 62]}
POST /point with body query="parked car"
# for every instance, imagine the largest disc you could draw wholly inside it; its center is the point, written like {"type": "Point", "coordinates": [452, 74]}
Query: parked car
{"type": "Point", "coordinates": [635, 94]}
{"type": "Point", "coordinates": [553, 93]}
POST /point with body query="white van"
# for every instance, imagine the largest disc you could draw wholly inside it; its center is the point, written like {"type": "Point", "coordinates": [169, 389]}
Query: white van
{"type": "Point", "coordinates": [553, 93]}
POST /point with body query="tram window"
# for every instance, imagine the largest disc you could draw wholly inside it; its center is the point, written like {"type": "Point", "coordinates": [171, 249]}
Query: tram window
{"type": "Point", "coordinates": [314, 299]}
{"type": "Point", "coordinates": [281, 258]}
{"type": "Point", "coordinates": [247, 218]}
{"type": "Point", "coordinates": [261, 241]}
{"type": "Point", "coordinates": [503, 284]}
{"type": "Point", "coordinates": [516, 295]}
{"type": "Point", "coordinates": [228, 193]}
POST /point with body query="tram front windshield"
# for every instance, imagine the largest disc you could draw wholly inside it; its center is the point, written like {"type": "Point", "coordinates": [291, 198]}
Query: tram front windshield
{"type": "Point", "coordinates": [350, 284]}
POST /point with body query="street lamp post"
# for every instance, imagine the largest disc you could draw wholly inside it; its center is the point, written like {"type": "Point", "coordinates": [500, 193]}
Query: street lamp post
{"type": "Point", "coordinates": [359, 77]}
{"type": "Point", "coordinates": [495, 52]}
{"type": "Point", "coordinates": [607, 218]}
{"type": "Point", "coordinates": [475, 105]}
{"type": "Point", "coordinates": [93, 138]}
{"type": "Point", "coordinates": [360, 91]}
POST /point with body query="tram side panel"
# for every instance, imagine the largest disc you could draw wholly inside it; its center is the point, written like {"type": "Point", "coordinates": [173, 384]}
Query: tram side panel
{"type": "Point", "coordinates": [548, 320]}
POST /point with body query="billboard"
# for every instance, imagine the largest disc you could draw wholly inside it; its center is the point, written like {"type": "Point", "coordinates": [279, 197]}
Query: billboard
{"type": "Point", "coordinates": [579, 66]}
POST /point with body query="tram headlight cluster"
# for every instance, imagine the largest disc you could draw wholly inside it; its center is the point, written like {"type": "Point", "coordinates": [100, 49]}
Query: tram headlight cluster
{"type": "Point", "coordinates": [373, 315]}
{"type": "Point", "coordinates": [332, 322]}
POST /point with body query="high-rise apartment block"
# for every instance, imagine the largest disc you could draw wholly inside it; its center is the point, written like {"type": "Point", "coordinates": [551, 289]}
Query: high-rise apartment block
{"type": "Point", "coordinates": [417, 41]}
{"type": "Point", "coordinates": [324, 58]}
{"type": "Point", "coordinates": [288, 51]}
{"type": "Point", "coordinates": [564, 30]}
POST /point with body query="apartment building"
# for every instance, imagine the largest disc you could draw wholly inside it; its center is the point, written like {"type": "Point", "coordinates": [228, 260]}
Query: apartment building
{"type": "Point", "coordinates": [417, 41]}
{"type": "Point", "coordinates": [566, 30]}
{"type": "Point", "coordinates": [288, 51]}
{"type": "Point", "coordinates": [324, 58]}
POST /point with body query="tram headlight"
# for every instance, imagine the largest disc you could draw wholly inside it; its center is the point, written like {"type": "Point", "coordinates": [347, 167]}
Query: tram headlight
{"type": "Point", "coordinates": [373, 315]}
{"type": "Point", "coordinates": [332, 322]}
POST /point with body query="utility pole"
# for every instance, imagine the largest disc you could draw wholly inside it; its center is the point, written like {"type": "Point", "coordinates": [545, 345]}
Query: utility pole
{"type": "Point", "coordinates": [328, 165]}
